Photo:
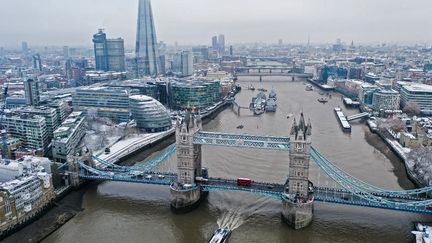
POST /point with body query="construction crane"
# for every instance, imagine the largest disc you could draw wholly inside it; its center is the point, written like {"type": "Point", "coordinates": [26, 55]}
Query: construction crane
{"type": "Point", "coordinates": [2, 126]}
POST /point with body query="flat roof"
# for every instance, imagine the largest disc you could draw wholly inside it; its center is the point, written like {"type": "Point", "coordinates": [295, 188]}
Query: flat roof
{"type": "Point", "coordinates": [416, 87]}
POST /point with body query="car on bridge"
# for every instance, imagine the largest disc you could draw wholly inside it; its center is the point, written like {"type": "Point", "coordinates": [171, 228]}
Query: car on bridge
{"type": "Point", "coordinates": [136, 174]}
{"type": "Point", "coordinates": [244, 182]}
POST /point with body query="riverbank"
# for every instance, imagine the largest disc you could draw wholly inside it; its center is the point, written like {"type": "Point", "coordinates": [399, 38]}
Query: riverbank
{"type": "Point", "coordinates": [70, 204]}
{"type": "Point", "coordinates": [402, 155]}
{"type": "Point", "coordinates": [62, 211]}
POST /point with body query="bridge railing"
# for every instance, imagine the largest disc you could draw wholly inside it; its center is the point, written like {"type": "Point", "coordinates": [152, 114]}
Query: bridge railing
{"type": "Point", "coordinates": [366, 185]}
{"type": "Point", "coordinates": [365, 194]}
{"type": "Point", "coordinates": [145, 166]}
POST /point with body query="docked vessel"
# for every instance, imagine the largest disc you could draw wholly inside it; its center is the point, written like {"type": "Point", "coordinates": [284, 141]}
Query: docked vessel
{"type": "Point", "coordinates": [220, 236]}
{"type": "Point", "coordinates": [251, 87]}
{"type": "Point", "coordinates": [271, 102]}
{"type": "Point", "coordinates": [346, 127]}
{"type": "Point", "coordinates": [259, 103]}
{"type": "Point", "coordinates": [262, 90]}
{"type": "Point", "coordinates": [271, 105]}
{"type": "Point", "coordinates": [309, 87]}
{"type": "Point", "coordinates": [272, 95]}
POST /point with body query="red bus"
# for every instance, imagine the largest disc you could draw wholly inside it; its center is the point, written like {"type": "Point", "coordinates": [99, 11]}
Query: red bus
{"type": "Point", "coordinates": [429, 207]}
{"type": "Point", "coordinates": [244, 182]}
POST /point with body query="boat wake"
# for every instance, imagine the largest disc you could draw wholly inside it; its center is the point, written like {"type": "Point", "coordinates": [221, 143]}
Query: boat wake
{"type": "Point", "coordinates": [234, 218]}
{"type": "Point", "coordinates": [231, 220]}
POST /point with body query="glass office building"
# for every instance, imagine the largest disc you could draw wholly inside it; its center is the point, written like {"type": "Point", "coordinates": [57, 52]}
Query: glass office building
{"type": "Point", "coordinates": [144, 87]}
{"type": "Point", "coordinates": [149, 114]}
{"type": "Point", "coordinates": [418, 93]}
{"type": "Point", "coordinates": [194, 93]}
{"type": "Point", "coordinates": [146, 50]}
{"type": "Point", "coordinates": [100, 50]}
{"type": "Point", "coordinates": [109, 102]}
{"type": "Point", "coordinates": [116, 55]}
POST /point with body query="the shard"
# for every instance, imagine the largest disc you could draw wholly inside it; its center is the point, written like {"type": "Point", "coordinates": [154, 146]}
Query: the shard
{"type": "Point", "coordinates": [146, 51]}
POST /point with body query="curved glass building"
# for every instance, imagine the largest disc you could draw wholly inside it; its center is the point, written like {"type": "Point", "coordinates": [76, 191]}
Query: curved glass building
{"type": "Point", "coordinates": [149, 114]}
{"type": "Point", "coordinates": [194, 93]}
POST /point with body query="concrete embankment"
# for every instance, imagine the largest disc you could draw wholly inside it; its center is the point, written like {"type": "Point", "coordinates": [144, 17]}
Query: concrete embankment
{"type": "Point", "coordinates": [398, 150]}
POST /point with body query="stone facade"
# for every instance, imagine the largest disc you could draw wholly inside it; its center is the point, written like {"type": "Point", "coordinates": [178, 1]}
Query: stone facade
{"type": "Point", "coordinates": [13, 215]}
{"type": "Point", "coordinates": [297, 202]}
{"type": "Point", "coordinates": [185, 193]}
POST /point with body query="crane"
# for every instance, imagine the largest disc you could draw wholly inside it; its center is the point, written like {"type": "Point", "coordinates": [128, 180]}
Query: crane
{"type": "Point", "coordinates": [2, 126]}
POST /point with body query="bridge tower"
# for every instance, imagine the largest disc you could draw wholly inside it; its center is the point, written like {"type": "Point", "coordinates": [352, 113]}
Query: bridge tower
{"type": "Point", "coordinates": [84, 155]}
{"type": "Point", "coordinates": [297, 201]}
{"type": "Point", "coordinates": [185, 194]}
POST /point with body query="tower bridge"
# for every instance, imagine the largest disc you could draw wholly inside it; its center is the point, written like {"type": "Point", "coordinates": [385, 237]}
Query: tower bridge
{"type": "Point", "coordinates": [297, 194]}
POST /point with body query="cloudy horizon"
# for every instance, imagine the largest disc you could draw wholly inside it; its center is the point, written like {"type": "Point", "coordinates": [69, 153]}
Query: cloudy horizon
{"type": "Point", "coordinates": [62, 22]}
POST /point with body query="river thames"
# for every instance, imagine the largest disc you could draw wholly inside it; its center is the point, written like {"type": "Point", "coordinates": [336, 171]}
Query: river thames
{"type": "Point", "coordinates": [120, 212]}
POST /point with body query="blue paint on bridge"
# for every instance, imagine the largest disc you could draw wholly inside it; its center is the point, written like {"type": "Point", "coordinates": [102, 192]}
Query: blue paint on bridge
{"type": "Point", "coordinates": [353, 191]}
{"type": "Point", "coordinates": [242, 140]}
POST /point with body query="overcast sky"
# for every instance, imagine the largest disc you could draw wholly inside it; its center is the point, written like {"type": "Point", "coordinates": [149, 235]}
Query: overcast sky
{"type": "Point", "coordinates": [72, 22]}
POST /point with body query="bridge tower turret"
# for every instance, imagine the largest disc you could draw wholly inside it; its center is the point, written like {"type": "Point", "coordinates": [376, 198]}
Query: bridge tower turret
{"type": "Point", "coordinates": [185, 194]}
{"type": "Point", "coordinates": [84, 155]}
{"type": "Point", "coordinates": [297, 199]}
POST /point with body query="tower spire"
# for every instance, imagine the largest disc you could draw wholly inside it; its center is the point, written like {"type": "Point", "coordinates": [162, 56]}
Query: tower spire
{"type": "Point", "coordinates": [146, 50]}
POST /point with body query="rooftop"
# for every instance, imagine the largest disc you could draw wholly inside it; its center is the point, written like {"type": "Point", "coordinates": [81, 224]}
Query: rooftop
{"type": "Point", "coordinates": [416, 87]}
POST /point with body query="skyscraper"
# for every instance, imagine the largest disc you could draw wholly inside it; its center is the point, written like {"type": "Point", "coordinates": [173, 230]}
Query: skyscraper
{"type": "Point", "coordinates": [66, 52]}
{"type": "Point", "coordinates": [116, 54]}
{"type": "Point", "coordinates": [183, 63]}
{"type": "Point", "coordinates": [146, 51]}
{"type": "Point", "coordinates": [215, 43]}
{"type": "Point", "coordinates": [31, 89]}
{"type": "Point", "coordinates": [109, 53]}
{"type": "Point", "coordinates": [37, 63]}
{"type": "Point", "coordinates": [221, 43]}
{"type": "Point", "coordinates": [24, 47]}
{"type": "Point", "coordinates": [101, 50]}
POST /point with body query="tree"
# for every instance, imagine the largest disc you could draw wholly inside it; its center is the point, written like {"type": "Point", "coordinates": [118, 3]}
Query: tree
{"type": "Point", "coordinates": [412, 108]}
{"type": "Point", "coordinates": [92, 113]}
{"type": "Point", "coordinates": [390, 127]}
{"type": "Point", "coordinates": [396, 125]}
{"type": "Point", "coordinates": [422, 158]}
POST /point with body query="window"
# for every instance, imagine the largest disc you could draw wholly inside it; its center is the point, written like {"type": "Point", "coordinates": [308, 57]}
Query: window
{"type": "Point", "coordinates": [299, 147]}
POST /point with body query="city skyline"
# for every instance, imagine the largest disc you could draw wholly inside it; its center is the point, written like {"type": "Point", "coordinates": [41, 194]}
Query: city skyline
{"type": "Point", "coordinates": [384, 21]}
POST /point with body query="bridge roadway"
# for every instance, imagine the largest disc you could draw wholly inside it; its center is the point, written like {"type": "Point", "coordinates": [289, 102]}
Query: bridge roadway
{"type": "Point", "coordinates": [271, 190]}
{"type": "Point", "coordinates": [301, 75]}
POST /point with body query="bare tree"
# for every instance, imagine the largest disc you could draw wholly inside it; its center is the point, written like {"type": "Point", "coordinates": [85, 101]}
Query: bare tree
{"type": "Point", "coordinates": [422, 158]}
{"type": "Point", "coordinates": [396, 125]}
{"type": "Point", "coordinates": [92, 113]}
{"type": "Point", "coordinates": [391, 125]}
{"type": "Point", "coordinates": [412, 108]}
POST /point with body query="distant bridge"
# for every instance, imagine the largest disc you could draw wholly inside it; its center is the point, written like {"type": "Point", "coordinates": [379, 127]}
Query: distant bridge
{"type": "Point", "coordinates": [358, 116]}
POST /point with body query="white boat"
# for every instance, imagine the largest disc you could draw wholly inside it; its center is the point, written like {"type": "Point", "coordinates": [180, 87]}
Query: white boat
{"type": "Point", "coordinates": [220, 236]}
{"type": "Point", "coordinates": [309, 87]}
